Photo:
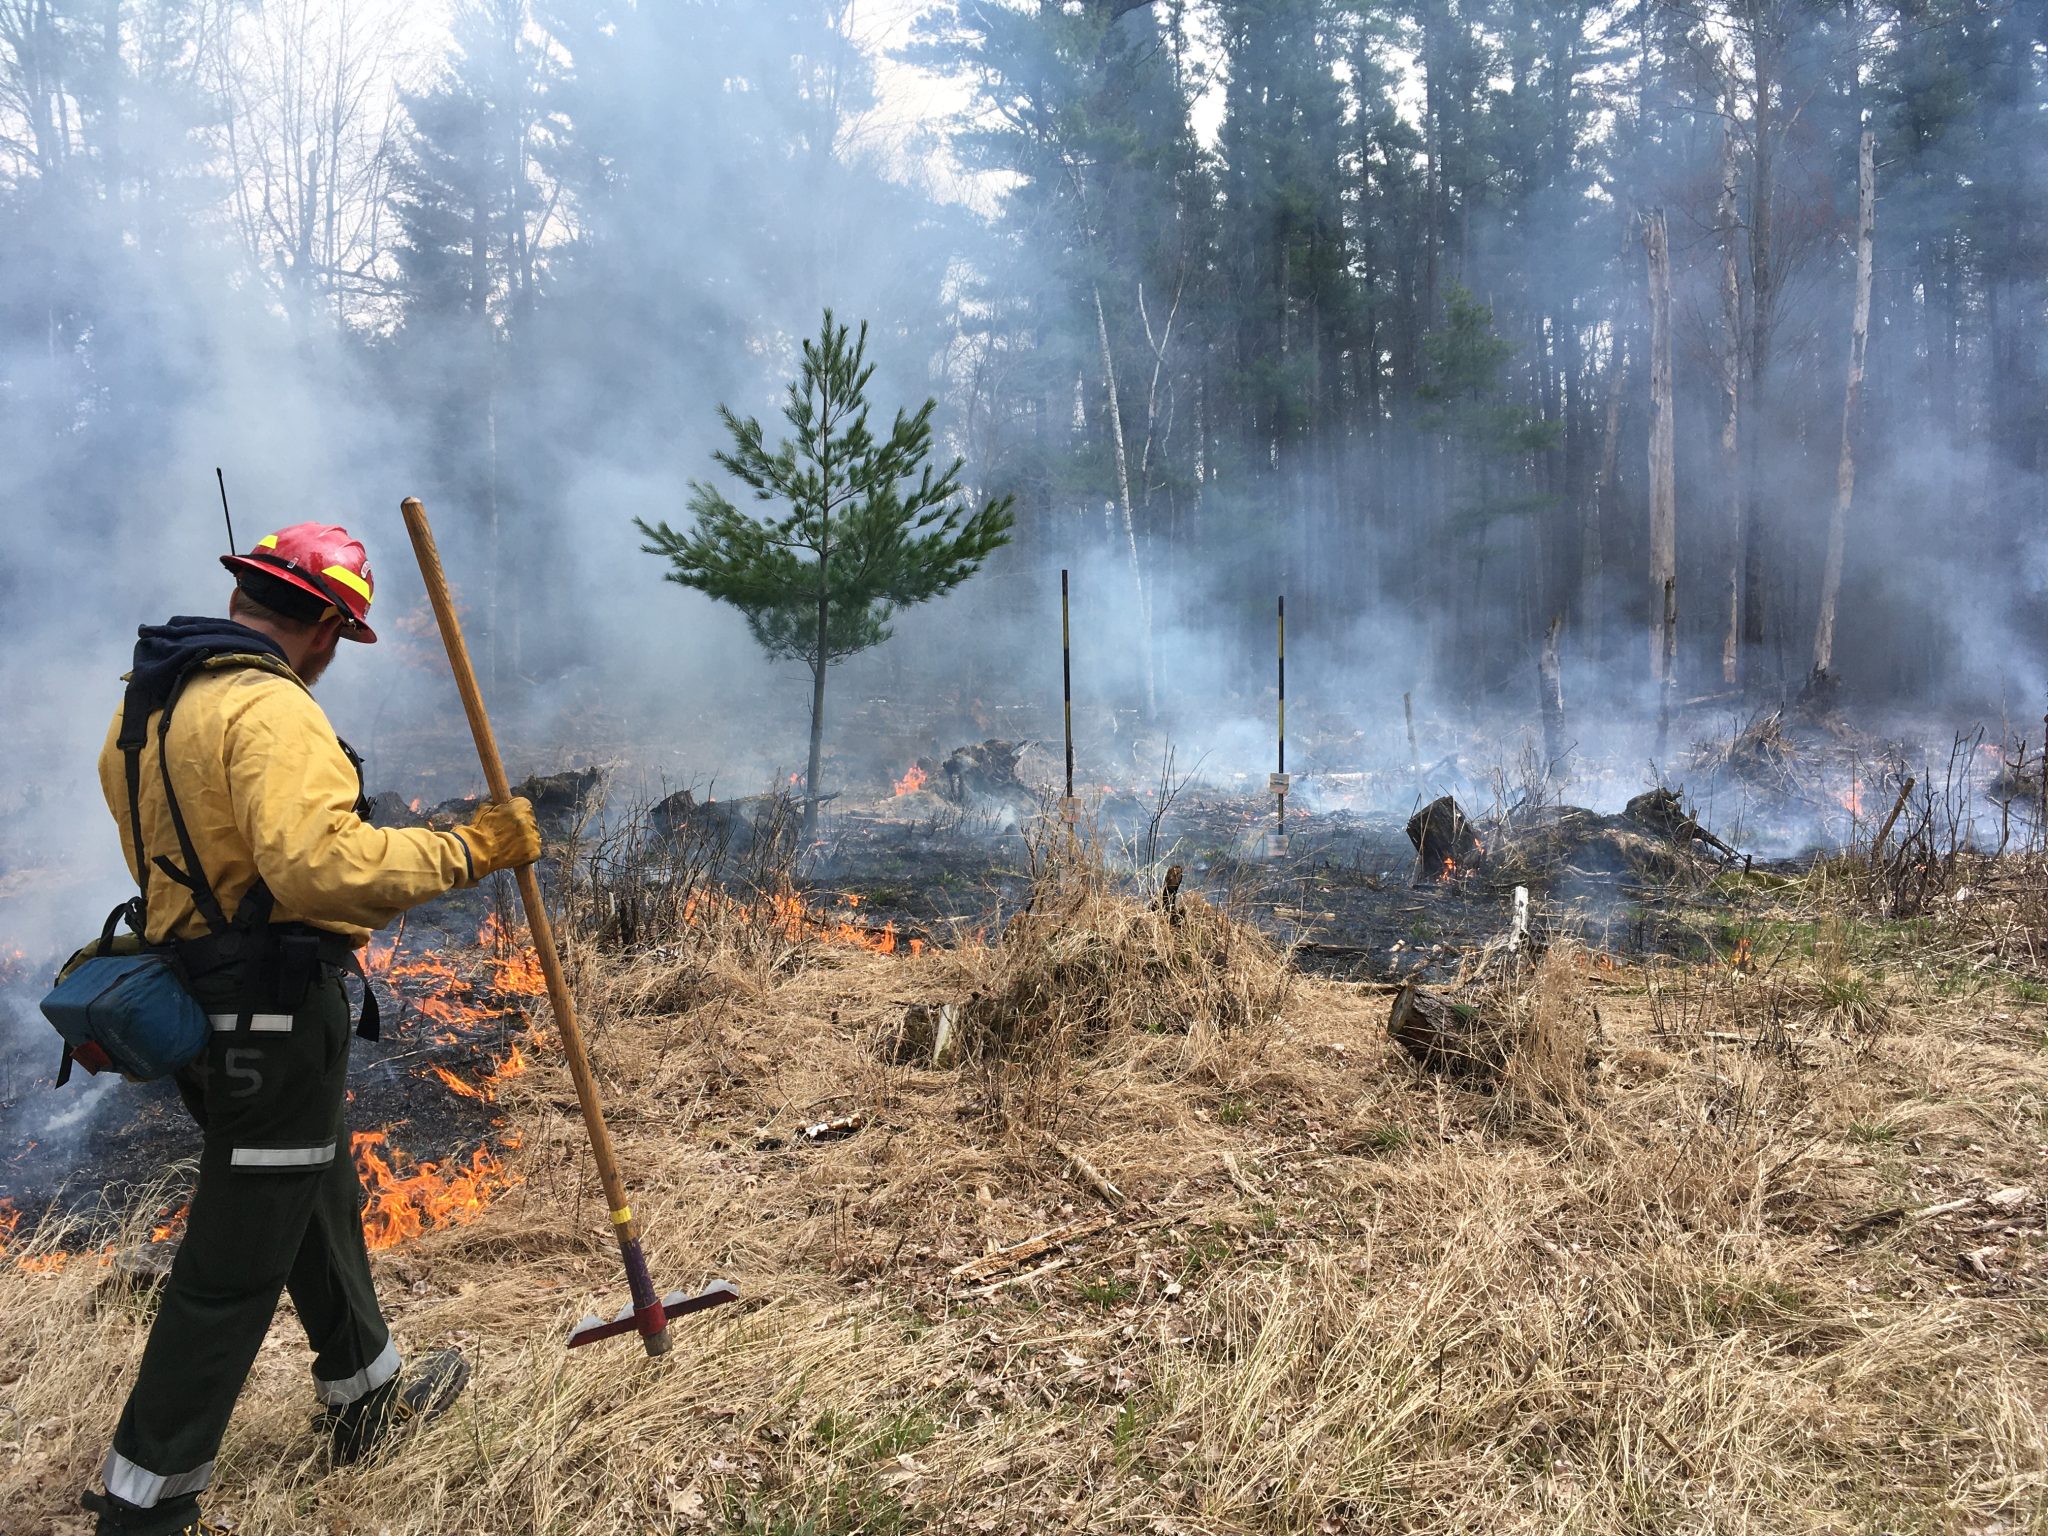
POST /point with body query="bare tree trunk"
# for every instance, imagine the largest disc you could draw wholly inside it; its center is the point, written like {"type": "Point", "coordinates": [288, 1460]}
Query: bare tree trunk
{"type": "Point", "coordinates": [1852, 404]}
{"type": "Point", "coordinates": [494, 532]}
{"type": "Point", "coordinates": [824, 657]}
{"type": "Point", "coordinates": [1663, 492]}
{"type": "Point", "coordinates": [1766, 44]}
{"type": "Point", "coordinates": [1550, 696]}
{"type": "Point", "coordinates": [1592, 618]}
{"type": "Point", "coordinates": [1670, 663]}
{"type": "Point", "coordinates": [1123, 497]}
{"type": "Point", "coordinates": [1731, 402]}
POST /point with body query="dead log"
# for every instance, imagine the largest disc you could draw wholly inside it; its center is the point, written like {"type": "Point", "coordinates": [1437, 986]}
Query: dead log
{"type": "Point", "coordinates": [1446, 1034]}
{"type": "Point", "coordinates": [727, 826]}
{"type": "Point", "coordinates": [388, 809]}
{"type": "Point", "coordinates": [1663, 810]}
{"type": "Point", "coordinates": [559, 799]}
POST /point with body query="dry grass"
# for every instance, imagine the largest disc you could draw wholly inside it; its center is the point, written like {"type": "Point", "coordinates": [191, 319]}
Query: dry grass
{"type": "Point", "coordinates": [1343, 1296]}
{"type": "Point", "coordinates": [1088, 964]}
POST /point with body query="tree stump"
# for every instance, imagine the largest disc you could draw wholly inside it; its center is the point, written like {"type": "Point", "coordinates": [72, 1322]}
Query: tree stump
{"type": "Point", "coordinates": [1447, 1035]}
{"type": "Point", "coordinates": [1442, 836]}
{"type": "Point", "coordinates": [986, 771]}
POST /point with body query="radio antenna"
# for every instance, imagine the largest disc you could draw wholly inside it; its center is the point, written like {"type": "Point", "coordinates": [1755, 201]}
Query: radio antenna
{"type": "Point", "coordinates": [233, 548]}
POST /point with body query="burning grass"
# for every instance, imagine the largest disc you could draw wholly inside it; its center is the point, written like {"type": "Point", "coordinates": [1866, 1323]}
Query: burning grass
{"type": "Point", "coordinates": [1334, 1293]}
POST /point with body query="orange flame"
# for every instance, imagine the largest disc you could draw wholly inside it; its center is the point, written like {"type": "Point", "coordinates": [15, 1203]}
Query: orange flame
{"type": "Point", "coordinates": [440, 993]}
{"type": "Point", "coordinates": [457, 1085]}
{"type": "Point", "coordinates": [515, 964]}
{"type": "Point", "coordinates": [407, 1198]}
{"type": "Point", "coordinates": [511, 1064]}
{"type": "Point", "coordinates": [167, 1229]}
{"type": "Point", "coordinates": [788, 915]}
{"type": "Point", "coordinates": [911, 782]}
{"type": "Point", "coordinates": [1851, 800]}
{"type": "Point", "coordinates": [57, 1260]}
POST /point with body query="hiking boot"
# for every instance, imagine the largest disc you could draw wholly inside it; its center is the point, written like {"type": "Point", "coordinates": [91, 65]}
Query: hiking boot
{"type": "Point", "coordinates": [173, 1517]}
{"type": "Point", "coordinates": [417, 1395]}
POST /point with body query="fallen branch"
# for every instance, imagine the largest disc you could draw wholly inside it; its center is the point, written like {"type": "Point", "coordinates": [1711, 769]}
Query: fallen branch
{"type": "Point", "coordinates": [1885, 831]}
{"type": "Point", "coordinates": [2003, 1200]}
{"type": "Point", "coordinates": [976, 1270]}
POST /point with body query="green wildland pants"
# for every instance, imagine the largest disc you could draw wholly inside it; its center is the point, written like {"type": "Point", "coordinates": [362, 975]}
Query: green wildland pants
{"type": "Point", "coordinates": [278, 1206]}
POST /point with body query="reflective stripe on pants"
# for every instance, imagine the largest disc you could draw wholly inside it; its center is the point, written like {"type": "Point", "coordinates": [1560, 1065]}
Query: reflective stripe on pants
{"type": "Point", "coordinates": [283, 1157]}
{"type": "Point", "coordinates": [143, 1488]}
{"type": "Point", "coordinates": [259, 1023]}
{"type": "Point", "coordinates": [339, 1394]}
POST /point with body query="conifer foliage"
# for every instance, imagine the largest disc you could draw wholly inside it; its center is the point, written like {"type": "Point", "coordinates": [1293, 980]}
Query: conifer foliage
{"type": "Point", "coordinates": [863, 525]}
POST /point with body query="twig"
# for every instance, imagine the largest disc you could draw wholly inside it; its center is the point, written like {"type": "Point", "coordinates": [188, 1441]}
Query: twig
{"type": "Point", "coordinates": [1898, 805]}
{"type": "Point", "coordinates": [1030, 1274]}
{"type": "Point", "coordinates": [1090, 1174]}
{"type": "Point", "coordinates": [1239, 1178]}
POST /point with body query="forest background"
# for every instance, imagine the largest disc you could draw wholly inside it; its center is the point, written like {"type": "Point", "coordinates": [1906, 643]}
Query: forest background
{"type": "Point", "coordinates": [1342, 298]}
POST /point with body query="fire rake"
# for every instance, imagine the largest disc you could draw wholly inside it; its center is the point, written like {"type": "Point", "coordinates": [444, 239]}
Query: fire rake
{"type": "Point", "coordinates": [649, 1314]}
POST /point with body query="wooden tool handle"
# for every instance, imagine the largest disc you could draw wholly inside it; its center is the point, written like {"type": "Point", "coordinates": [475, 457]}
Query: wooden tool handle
{"type": "Point", "coordinates": [587, 1096]}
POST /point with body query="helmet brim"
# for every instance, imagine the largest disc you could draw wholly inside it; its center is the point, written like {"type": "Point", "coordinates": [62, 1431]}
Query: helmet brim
{"type": "Point", "coordinates": [352, 628]}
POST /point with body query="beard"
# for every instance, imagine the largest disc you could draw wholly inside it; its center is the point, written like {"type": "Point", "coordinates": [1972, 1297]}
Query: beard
{"type": "Point", "coordinates": [315, 666]}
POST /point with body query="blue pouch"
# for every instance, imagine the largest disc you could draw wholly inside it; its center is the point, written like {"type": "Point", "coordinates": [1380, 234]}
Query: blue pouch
{"type": "Point", "coordinates": [119, 1004]}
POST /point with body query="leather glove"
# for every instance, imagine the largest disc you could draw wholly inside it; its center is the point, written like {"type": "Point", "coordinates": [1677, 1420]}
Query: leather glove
{"type": "Point", "coordinates": [503, 836]}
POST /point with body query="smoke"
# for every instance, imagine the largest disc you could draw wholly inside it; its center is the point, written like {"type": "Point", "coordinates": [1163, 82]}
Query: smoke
{"type": "Point", "coordinates": [692, 186]}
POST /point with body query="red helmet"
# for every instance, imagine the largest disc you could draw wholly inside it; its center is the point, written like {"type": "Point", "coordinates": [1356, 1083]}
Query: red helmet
{"type": "Point", "coordinates": [324, 561]}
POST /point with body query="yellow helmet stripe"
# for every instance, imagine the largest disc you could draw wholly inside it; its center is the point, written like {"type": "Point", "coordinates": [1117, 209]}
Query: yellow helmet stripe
{"type": "Point", "coordinates": [351, 580]}
{"type": "Point", "coordinates": [268, 541]}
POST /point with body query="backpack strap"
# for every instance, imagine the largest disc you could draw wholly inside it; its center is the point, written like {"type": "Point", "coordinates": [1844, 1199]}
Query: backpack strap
{"type": "Point", "coordinates": [192, 875]}
{"type": "Point", "coordinates": [226, 941]}
{"type": "Point", "coordinates": [134, 731]}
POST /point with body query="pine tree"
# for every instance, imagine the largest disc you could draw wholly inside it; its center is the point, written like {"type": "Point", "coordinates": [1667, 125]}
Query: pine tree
{"type": "Point", "coordinates": [869, 528]}
{"type": "Point", "coordinates": [1495, 435]}
{"type": "Point", "coordinates": [474, 217]}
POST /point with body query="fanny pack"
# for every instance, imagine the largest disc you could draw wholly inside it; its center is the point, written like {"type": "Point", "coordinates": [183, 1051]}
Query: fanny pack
{"type": "Point", "coordinates": [124, 1003]}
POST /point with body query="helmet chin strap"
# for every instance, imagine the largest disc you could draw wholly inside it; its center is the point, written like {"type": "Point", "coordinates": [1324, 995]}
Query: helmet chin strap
{"type": "Point", "coordinates": [335, 606]}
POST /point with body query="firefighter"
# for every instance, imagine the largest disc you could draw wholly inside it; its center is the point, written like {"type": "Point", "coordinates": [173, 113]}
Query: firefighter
{"type": "Point", "coordinates": [242, 819]}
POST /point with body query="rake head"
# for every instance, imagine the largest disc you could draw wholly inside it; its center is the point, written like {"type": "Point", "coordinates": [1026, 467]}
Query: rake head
{"type": "Point", "coordinates": [651, 1323]}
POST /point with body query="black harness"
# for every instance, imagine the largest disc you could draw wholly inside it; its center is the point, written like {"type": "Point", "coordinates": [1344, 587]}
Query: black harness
{"type": "Point", "coordinates": [281, 960]}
